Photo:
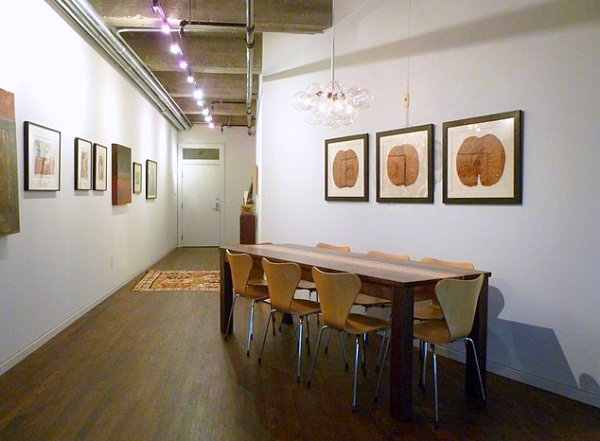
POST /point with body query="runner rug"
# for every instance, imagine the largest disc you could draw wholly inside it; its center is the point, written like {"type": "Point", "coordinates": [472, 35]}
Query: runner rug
{"type": "Point", "coordinates": [155, 280]}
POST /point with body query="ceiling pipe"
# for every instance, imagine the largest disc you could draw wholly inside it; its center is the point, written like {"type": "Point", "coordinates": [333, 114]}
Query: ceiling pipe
{"type": "Point", "coordinates": [249, 60]}
{"type": "Point", "coordinates": [87, 19]}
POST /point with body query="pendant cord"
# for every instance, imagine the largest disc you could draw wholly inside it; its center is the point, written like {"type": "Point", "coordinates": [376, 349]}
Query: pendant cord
{"type": "Point", "coordinates": [332, 44]}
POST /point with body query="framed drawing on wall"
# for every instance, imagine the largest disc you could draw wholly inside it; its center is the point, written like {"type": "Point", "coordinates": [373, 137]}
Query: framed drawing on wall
{"type": "Point", "coordinates": [83, 164]}
{"type": "Point", "coordinates": [482, 159]}
{"type": "Point", "coordinates": [151, 178]}
{"type": "Point", "coordinates": [347, 168]}
{"type": "Point", "coordinates": [137, 178]}
{"type": "Point", "coordinates": [405, 165]}
{"type": "Point", "coordinates": [42, 158]}
{"type": "Point", "coordinates": [100, 165]}
{"type": "Point", "coordinates": [121, 174]}
{"type": "Point", "coordinates": [9, 185]}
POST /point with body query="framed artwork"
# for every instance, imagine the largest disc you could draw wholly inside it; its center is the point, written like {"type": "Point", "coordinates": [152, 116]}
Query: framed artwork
{"type": "Point", "coordinates": [137, 178]}
{"type": "Point", "coordinates": [42, 158]}
{"type": "Point", "coordinates": [151, 169]}
{"type": "Point", "coordinates": [100, 164]}
{"type": "Point", "coordinates": [83, 164]}
{"type": "Point", "coordinates": [9, 185]}
{"type": "Point", "coordinates": [121, 174]}
{"type": "Point", "coordinates": [405, 165]}
{"type": "Point", "coordinates": [482, 159]}
{"type": "Point", "coordinates": [347, 168]}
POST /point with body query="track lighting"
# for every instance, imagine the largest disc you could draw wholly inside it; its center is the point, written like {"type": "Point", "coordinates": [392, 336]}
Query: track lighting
{"type": "Point", "coordinates": [183, 63]}
{"type": "Point", "coordinates": [198, 94]}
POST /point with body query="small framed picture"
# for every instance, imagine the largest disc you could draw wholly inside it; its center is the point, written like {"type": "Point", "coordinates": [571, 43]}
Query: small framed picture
{"type": "Point", "coordinates": [347, 168]}
{"type": "Point", "coordinates": [42, 158]}
{"type": "Point", "coordinates": [482, 159]}
{"type": "Point", "coordinates": [151, 177]}
{"type": "Point", "coordinates": [121, 174]}
{"type": "Point", "coordinates": [83, 164]}
{"type": "Point", "coordinates": [137, 178]}
{"type": "Point", "coordinates": [405, 165]}
{"type": "Point", "coordinates": [100, 166]}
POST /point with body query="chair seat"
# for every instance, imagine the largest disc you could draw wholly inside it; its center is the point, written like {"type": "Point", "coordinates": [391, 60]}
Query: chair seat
{"type": "Point", "coordinates": [304, 307]}
{"type": "Point", "coordinates": [427, 311]}
{"type": "Point", "coordinates": [257, 282]}
{"type": "Point", "coordinates": [307, 284]}
{"type": "Point", "coordinates": [256, 292]}
{"type": "Point", "coordinates": [435, 332]}
{"type": "Point", "coordinates": [360, 323]}
{"type": "Point", "coordinates": [367, 300]}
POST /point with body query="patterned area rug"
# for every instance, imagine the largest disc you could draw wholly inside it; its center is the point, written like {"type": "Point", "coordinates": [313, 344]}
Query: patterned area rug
{"type": "Point", "coordinates": [156, 280]}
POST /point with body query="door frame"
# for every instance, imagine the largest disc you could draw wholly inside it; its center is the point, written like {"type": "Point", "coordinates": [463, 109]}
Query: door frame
{"type": "Point", "coordinates": [220, 163]}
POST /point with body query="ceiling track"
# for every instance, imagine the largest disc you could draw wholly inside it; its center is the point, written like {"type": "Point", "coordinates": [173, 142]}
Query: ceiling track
{"type": "Point", "coordinates": [85, 17]}
{"type": "Point", "coordinates": [249, 60]}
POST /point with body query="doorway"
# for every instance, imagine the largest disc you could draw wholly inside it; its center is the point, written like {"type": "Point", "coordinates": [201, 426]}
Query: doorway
{"type": "Point", "coordinates": [200, 195]}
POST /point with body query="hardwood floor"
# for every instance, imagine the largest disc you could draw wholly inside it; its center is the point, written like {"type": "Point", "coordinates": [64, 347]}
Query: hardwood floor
{"type": "Point", "coordinates": [152, 366]}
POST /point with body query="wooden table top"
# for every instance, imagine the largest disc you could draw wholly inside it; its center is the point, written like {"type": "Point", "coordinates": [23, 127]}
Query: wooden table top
{"type": "Point", "coordinates": [375, 268]}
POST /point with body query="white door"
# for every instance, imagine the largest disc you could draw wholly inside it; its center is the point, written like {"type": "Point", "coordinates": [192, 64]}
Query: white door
{"type": "Point", "coordinates": [200, 202]}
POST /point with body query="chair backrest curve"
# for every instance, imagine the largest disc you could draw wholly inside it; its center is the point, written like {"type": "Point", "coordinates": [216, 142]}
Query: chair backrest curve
{"type": "Point", "coordinates": [334, 247]}
{"type": "Point", "coordinates": [462, 265]}
{"type": "Point", "coordinates": [337, 292]}
{"type": "Point", "coordinates": [282, 279]}
{"type": "Point", "coordinates": [388, 255]}
{"type": "Point", "coordinates": [458, 300]}
{"type": "Point", "coordinates": [241, 265]}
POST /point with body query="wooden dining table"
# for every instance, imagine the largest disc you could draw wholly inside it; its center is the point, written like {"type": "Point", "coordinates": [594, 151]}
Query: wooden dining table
{"type": "Point", "coordinates": [382, 277]}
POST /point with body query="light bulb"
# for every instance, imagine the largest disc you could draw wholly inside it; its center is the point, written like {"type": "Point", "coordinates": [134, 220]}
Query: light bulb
{"type": "Point", "coordinates": [183, 64]}
{"type": "Point", "coordinates": [190, 79]}
{"type": "Point", "coordinates": [174, 48]}
{"type": "Point", "coordinates": [211, 125]}
{"type": "Point", "coordinates": [205, 111]}
{"type": "Point", "coordinates": [207, 118]}
{"type": "Point", "coordinates": [200, 103]}
{"type": "Point", "coordinates": [198, 94]}
{"type": "Point", "coordinates": [165, 28]}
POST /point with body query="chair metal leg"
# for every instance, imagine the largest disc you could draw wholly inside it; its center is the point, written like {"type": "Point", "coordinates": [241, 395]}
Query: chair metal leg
{"type": "Point", "coordinates": [384, 339]}
{"type": "Point", "coordinates": [235, 296]}
{"type": "Point", "coordinates": [435, 387]}
{"type": "Point", "coordinates": [300, 338]}
{"type": "Point", "coordinates": [250, 328]}
{"type": "Point", "coordinates": [483, 397]}
{"type": "Point", "coordinates": [363, 359]}
{"type": "Point", "coordinates": [271, 314]}
{"type": "Point", "coordinates": [424, 351]}
{"type": "Point", "coordinates": [355, 384]}
{"type": "Point", "coordinates": [308, 335]}
{"type": "Point", "coordinates": [327, 344]}
{"type": "Point", "coordinates": [343, 349]}
{"type": "Point", "coordinates": [314, 362]}
{"type": "Point", "coordinates": [382, 367]}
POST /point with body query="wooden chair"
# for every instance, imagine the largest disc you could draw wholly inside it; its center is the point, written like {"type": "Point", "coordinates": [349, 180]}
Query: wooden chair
{"type": "Point", "coordinates": [337, 292]}
{"type": "Point", "coordinates": [430, 310]}
{"type": "Point", "coordinates": [458, 302]}
{"type": "Point", "coordinates": [255, 290]}
{"type": "Point", "coordinates": [282, 280]}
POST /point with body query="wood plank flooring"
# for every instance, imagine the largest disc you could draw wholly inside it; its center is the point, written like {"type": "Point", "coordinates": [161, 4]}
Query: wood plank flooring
{"type": "Point", "coordinates": [152, 366]}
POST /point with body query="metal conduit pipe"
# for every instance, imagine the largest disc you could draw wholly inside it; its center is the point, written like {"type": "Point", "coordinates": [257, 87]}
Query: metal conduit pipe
{"type": "Point", "coordinates": [84, 16]}
{"type": "Point", "coordinates": [249, 60]}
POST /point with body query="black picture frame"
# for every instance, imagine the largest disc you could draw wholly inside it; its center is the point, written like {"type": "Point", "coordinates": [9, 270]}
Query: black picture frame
{"type": "Point", "coordinates": [405, 165]}
{"type": "Point", "coordinates": [482, 159]}
{"type": "Point", "coordinates": [347, 168]}
{"type": "Point", "coordinates": [42, 158]}
{"type": "Point", "coordinates": [151, 179]}
{"type": "Point", "coordinates": [83, 164]}
{"type": "Point", "coordinates": [100, 168]}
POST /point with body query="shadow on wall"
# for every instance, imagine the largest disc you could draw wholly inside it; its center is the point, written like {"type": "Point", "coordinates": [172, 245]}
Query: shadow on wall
{"type": "Point", "coordinates": [529, 348]}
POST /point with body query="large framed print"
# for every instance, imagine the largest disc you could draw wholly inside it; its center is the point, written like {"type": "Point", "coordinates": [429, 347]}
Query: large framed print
{"type": "Point", "coordinates": [151, 179]}
{"type": "Point", "coordinates": [83, 164]}
{"type": "Point", "coordinates": [482, 159]}
{"type": "Point", "coordinates": [347, 168]}
{"type": "Point", "coordinates": [100, 167]}
{"type": "Point", "coordinates": [121, 174]}
{"type": "Point", "coordinates": [405, 165]}
{"type": "Point", "coordinates": [9, 185]}
{"type": "Point", "coordinates": [42, 158]}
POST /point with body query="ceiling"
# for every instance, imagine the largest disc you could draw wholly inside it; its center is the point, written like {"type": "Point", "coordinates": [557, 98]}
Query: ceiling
{"type": "Point", "coordinates": [214, 43]}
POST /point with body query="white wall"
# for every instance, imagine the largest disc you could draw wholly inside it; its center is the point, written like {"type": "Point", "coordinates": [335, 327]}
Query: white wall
{"type": "Point", "coordinates": [240, 154]}
{"type": "Point", "coordinates": [461, 59]}
{"type": "Point", "coordinates": [59, 265]}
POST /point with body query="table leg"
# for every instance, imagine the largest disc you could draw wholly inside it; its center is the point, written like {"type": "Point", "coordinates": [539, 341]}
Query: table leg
{"type": "Point", "coordinates": [226, 293]}
{"type": "Point", "coordinates": [479, 336]}
{"type": "Point", "coordinates": [401, 368]}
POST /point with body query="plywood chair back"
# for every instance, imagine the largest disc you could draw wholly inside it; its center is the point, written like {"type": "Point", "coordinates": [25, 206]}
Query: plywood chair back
{"type": "Point", "coordinates": [461, 265]}
{"type": "Point", "coordinates": [241, 265]}
{"type": "Point", "coordinates": [458, 300]}
{"type": "Point", "coordinates": [334, 247]}
{"type": "Point", "coordinates": [282, 279]}
{"type": "Point", "coordinates": [337, 292]}
{"type": "Point", "coordinates": [388, 255]}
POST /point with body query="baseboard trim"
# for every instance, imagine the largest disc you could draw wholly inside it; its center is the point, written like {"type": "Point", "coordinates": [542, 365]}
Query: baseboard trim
{"type": "Point", "coordinates": [48, 335]}
{"type": "Point", "coordinates": [528, 378]}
